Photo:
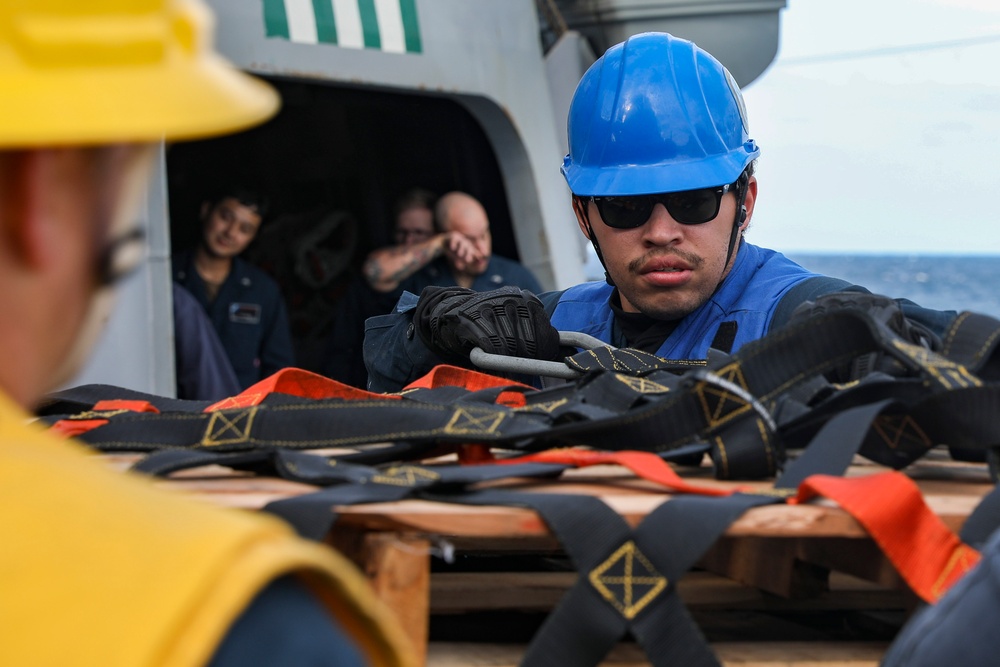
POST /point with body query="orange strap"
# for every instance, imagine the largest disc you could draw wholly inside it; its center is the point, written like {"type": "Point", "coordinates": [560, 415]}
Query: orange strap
{"type": "Point", "coordinates": [70, 428]}
{"type": "Point", "coordinates": [453, 376]}
{"type": "Point", "coordinates": [646, 465]}
{"type": "Point", "coordinates": [926, 553]}
{"type": "Point", "coordinates": [296, 382]}
{"type": "Point", "coordinates": [132, 406]}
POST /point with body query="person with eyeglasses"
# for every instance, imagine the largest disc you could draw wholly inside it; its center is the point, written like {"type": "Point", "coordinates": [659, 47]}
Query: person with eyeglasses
{"type": "Point", "coordinates": [100, 567]}
{"type": "Point", "coordinates": [661, 168]}
{"type": "Point", "coordinates": [417, 241]}
{"type": "Point", "coordinates": [445, 243]}
{"type": "Point", "coordinates": [375, 290]}
{"type": "Point", "coordinates": [457, 250]}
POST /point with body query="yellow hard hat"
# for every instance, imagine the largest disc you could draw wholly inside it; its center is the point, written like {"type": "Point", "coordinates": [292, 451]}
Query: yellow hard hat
{"type": "Point", "coordinates": [108, 71]}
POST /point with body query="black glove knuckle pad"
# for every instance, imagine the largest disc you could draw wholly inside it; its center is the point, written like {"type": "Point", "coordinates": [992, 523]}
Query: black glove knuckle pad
{"type": "Point", "coordinates": [507, 321]}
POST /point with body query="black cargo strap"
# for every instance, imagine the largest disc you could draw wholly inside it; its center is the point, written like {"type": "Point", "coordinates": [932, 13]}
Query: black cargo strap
{"type": "Point", "coordinates": [972, 341]}
{"type": "Point", "coordinates": [834, 447]}
{"type": "Point", "coordinates": [983, 521]}
{"type": "Point", "coordinates": [627, 578]}
{"type": "Point", "coordinates": [347, 483]}
{"type": "Point", "coordinates": [830, 453]}
{"type": "Point", "coordinates": [725, 336]}
{"type": "Point", "coordinates": [629, 361]}
{"type": "Point", "coordinates": [749, 408]}
{"type": "Point", "coordinates": [82, 398]}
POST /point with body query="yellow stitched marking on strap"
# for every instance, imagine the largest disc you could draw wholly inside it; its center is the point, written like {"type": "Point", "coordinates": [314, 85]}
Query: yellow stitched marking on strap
{"type": "Point", "coordinates": [465, 421]}
{"type": "Point", "coordinates": [98, 414]}
{"type": "Point", "coordinates": [627, 580]}
{"type": "Point", "coordinates": [686, 362]}
{"type": "Point", "coordinates": [405, 476]}
{"type": "Point", "coordinates": [947, 373]}
{"type": "Point", "coordinates": [548, 406]}
{"type": "Point", "coordinates": [642, 385]}
{"type": "Point", "coordinates": [718, 405]}
{"type": "Point", "coordinates": [723, 458]}
{"type": "Point", "coordinates": [631, 353]}
{"type": "Point", "coordinates": [237, 401]}
{"type": "Point", "coordinates": [953, 332]}
{"type": "Point", "coordinates": [229, 428]}
{"type": "Point", "coordinates": [765, 438]}
{"type": "Point", "coordinates": [962, 559]}
{"type": "Point", "coordinates": [770, 493]}
{"type": "Point", "coordinates": [894, 429]}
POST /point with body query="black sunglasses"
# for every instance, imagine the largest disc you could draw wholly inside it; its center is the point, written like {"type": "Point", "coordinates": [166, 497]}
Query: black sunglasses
{"type": "Point", "coordinates": [690, 207]}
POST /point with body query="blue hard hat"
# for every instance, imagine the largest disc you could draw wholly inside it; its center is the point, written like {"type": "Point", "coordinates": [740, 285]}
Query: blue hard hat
{"type": "Point", "coordinates": [656, 114]}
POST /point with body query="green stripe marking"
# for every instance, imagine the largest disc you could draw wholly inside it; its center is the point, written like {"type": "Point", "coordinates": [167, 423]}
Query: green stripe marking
{"type": "Point", "coordinates": [326, 24]}
{"type": "Point", "coordinates": [369, 24]}
{"type": "Point", "coordinates": [408, 9]}
{"type": "Point", "coordinates": [275, 19]}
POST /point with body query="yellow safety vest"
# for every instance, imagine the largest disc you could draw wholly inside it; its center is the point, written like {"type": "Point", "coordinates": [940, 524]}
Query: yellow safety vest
{"type": "Point", "coordinates": [101, 568]}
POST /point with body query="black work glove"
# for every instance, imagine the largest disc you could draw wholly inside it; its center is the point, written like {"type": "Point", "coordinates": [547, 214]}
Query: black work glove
{"type": "Point", "coordinates": [881, 309]}
{"type": "Point", "coordinates": [452, 321]}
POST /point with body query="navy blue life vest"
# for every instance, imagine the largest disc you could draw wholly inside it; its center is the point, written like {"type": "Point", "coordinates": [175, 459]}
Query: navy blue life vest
{"type": "Point", "coordinates": [748, 296]}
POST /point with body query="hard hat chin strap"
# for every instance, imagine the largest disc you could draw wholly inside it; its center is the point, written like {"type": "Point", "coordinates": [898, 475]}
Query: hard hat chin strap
{"type": "Point", "coordinates": [579, 203]}
{"type": "Point", "coordinates": [741, 215]}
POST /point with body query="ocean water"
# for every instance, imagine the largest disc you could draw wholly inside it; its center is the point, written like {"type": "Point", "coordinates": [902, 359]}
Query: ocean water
{"type": "Point", "coordinates": [942, 282]}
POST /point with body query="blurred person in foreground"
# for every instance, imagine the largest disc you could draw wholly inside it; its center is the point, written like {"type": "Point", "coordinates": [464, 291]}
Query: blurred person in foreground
{"type": "Point", "coordinates": [99, 567]}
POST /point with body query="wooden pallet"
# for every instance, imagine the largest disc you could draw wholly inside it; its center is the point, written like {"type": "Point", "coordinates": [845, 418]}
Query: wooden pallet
{"type": "Point", "coordinates": [732, 654]}
{"type": "Point", "coordinates": [773, 560]}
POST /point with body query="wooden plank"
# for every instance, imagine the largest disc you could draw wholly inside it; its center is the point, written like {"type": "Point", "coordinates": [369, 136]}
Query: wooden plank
{"type": "Point", "coordinates": [952, 500]}
{"type": "Point", "coordinates": [744, 654]}
{"type": "Point", "coordinates": [860, 558]}
{"type": "Point", "coordinates": [458, 592]}
{"type": "Point", "coordinates": [768, 564]}
{"type": "Point", "coordinates": [820, 518]}
{"type": "Point", "coordinates": [398, 567]}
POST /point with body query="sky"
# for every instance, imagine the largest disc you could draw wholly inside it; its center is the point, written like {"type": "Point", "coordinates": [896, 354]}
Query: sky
{"type": "Point", "coordinates": [879, 128]}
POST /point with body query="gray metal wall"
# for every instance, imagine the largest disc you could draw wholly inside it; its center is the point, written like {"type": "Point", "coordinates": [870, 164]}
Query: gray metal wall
{"type": "Point", "coordinates": [136, 350]}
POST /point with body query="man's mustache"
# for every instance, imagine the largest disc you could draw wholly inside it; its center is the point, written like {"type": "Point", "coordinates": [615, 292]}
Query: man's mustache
{"type": "Point", "coordinates": [692, 260]}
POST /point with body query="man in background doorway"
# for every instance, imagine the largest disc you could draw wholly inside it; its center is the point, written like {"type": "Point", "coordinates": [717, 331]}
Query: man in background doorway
{"type": "Point", "coordinates": [244, 303]}
{"type": "Point", "coordinates": [445, 243]}
{"type": "Point", "coordinates": [461, 253]}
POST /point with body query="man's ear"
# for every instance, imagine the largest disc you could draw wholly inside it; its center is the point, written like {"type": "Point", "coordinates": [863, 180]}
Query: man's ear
{"type": "Point", "coordinates": [28, 232]}
{"type": "Point", "coordinates": [581, 219]}
{"type": "Point", "coordinates": [749, 200]}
